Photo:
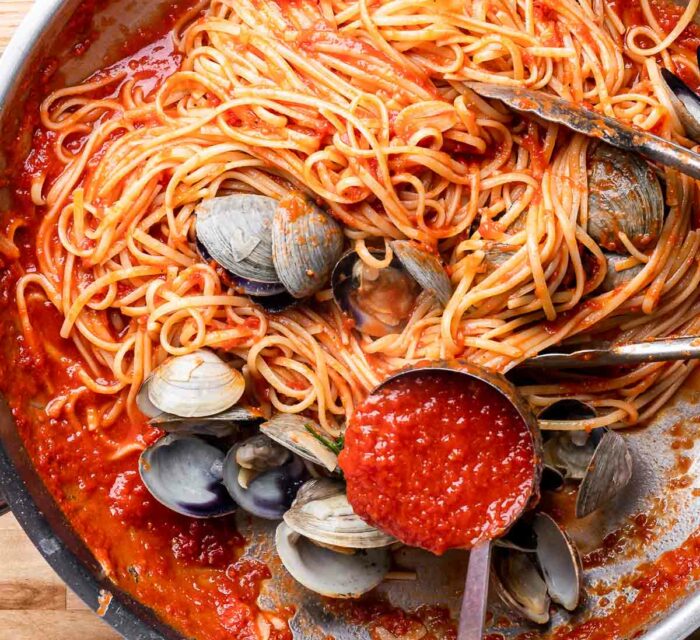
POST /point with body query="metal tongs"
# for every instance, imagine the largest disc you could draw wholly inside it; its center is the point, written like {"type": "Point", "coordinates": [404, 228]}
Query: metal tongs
{"type": "Point", "coordinates": [593, 124]}
{"type": "Point", "coordinates": [658, 350]}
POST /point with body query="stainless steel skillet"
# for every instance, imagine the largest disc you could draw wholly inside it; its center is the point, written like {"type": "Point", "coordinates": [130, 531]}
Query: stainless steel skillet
{"type": "Point", "coordinates": [440, 580]}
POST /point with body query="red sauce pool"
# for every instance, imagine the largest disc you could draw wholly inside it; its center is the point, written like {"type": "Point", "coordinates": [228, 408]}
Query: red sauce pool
{"type": "Point", "coordinates": [438, 461]}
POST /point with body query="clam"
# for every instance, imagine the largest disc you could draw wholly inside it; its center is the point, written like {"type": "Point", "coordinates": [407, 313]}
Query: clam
{"type": "Point", "coordinates": [599, 459]}
{"type": "Point", "coordinates": [613, 278]}
{"type": "Point", "coordinates": [302, 436]}
{"type": "Point", "coordinates": [685, 101]}
{"type": "Point", "coordinates": [263, 477]}
{"type": "Point", "coordinates": [380, 301]}
{"type": "Point", "coordinates": [236, 231]}
{"type": "Point", "coordinates": [425, 268]}
{"type": "Point", "coordinates": [624, 195]}
{"type": "Point", "coordinates": [322, 513]}
{"type": "Point", "coordinates": [608, 472]}
{"type": "Point", "coordinates": [328, 572]}
{"type": "Point", "coordinates": [529, 579]}
{"type": "Point", "coordinates": [194, 385]}
{"type": "Point", "coordinates": [220, 425]}
{"type": "Point", "coordinates": [184, 473]}
{"type": "Point", "coordinates": [306, 243]}
{"type": "Point", "coordinates": [276, 252]}
{"type": "Point", "coordinates": [329, 549]}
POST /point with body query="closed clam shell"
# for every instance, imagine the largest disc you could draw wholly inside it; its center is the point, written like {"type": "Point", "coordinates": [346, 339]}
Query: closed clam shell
{"type": "Point", "coordinates": [324, 571]}
{"type": "Point", "coordinates": [624, 195]}
{"type": "Point", "coordinates": [425, 268]}
{"type": "Point", "coordinates": [293, 432]}
{"type": "Point", "coordinates": [184, 474]}
{"type": "Point", "coordinates": [194, 385]}
{"type": "Point", "coordinates": [236, 231]}
{"type": "Point", "coordinates": [306, 244]}
{"type": "Point", "coordinates": [322, 513]}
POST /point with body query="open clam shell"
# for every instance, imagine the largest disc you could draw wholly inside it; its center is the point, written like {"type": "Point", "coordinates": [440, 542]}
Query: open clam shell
{"type": "Point", "coordinates": [296, 433]}
{"type": "Point", "coordinates": [379, 301]}
{"type": "Point", "coordinates": [269, 492]}
{"type": "Point", "coordinates": [609, 471]}
{"type": "Point", "coordinates": [543, 566]}
{"type": "Point", "coordinates": [327, 572]}
{"type": "Point", "coordinates": [184, 473]}
{"type": "Point", "coordinates": [518, 583]}
{"type": "Point", "coordinates": [220, 425]}
{"type": "Point", "coordinates": [306, 244]}
{"type": "Point", "coordinates": [322, 513]}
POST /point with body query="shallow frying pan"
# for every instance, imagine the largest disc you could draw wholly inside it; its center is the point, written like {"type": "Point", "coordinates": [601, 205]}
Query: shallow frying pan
{"type": "Point", "coordinates": [440, 580]}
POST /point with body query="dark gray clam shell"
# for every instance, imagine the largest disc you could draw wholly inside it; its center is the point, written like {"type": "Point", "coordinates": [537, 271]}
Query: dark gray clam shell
{"type": "Point", "coordinates": [306, 244]}
{"type": "Point", "coordinates": [613, 278]}
{"type": "Point", "coordinates": [609, 471]}
{"type": "Point", "coordinates": [624, 194]}
{"type": "Point", "coordinates": [236, 232]}
{"type": "Point", "coordinates": [559, 560]}
{"type": "Point", "coordinates": [220, 425]}
{"type": "Point", "coordinates": [425, 268]}
{"type": "Point", "coordinates": [685, 101]}
{"type": "Point", "coordinates": [270, 494]}
{"type": "Point", "coordinates": [184, 473]}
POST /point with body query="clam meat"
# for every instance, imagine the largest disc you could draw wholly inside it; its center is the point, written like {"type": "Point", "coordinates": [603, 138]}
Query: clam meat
{"type": "Point", "coordinates": [380, 301]}
{"type": "Point", "coordinates": [263, 477]}
{"type": "Point", "coordinates": [528, 579]}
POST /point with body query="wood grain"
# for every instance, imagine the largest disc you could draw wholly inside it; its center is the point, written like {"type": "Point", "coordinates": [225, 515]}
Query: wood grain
{"type": "Point", "coordinates": [35, 604]}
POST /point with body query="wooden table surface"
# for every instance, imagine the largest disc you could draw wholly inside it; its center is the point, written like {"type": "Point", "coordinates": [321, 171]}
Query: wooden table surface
{"type": "Point", "coordinates": [34, 603]}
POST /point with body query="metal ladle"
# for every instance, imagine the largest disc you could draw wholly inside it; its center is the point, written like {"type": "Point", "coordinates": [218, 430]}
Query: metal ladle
{"type": "Point", "coordinates": [473, 609]}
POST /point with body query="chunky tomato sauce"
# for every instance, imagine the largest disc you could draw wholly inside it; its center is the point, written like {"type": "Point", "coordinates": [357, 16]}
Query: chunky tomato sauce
{"type": "Point", "coordinates": [438, 461]}
{"type": "Point", "coordinates": [194, 574]}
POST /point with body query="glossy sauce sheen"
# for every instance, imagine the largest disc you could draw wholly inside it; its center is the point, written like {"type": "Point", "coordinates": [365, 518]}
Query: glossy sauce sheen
{"type": "Point", "coordinates": [438, 460]}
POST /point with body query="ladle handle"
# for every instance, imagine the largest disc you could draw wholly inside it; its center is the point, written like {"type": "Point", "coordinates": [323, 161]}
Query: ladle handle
{"type": "Point", "coordinates": [476, 592]}
{"type": "Point", "coordinates": [662, 350]}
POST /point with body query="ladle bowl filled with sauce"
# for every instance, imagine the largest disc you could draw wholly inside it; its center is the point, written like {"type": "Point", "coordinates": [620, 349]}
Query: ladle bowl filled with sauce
{"type": "Point", "coordinates": [442, 456]}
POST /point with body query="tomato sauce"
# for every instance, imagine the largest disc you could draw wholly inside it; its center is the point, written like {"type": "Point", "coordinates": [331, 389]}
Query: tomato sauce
{"type": "Point", "coordinates": [421, 455]}
{"type": "Point", "coordinates": [194, 574]}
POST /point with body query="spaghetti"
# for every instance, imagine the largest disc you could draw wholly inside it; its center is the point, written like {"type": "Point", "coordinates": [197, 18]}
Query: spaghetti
{"type": "Point", "coordinates": [364, 106]}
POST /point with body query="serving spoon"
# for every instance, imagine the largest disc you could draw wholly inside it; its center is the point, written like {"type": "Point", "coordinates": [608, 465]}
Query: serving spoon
{"type": "Point", "coordinates": [592, 124]}
{"type": "Point", "coordinates": [473, 609]}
